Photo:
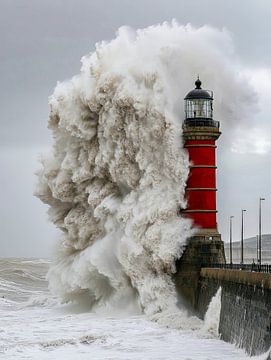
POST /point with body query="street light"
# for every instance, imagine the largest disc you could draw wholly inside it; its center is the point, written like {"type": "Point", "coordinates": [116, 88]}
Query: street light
{"type": "Point", "coordinates": [260, 230]}
{"type": "Point", "coordinates": [257, 253]}
{"type": "Point", "coordinates": [242, 238]}
{"type": "Point", "coordinates": [231, 217]}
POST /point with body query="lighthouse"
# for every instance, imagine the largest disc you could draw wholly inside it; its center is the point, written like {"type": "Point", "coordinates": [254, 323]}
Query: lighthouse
{"type": "Point", "coordinates": [205, 247]}
{"type": "Point", "coordinates": [200, 132]}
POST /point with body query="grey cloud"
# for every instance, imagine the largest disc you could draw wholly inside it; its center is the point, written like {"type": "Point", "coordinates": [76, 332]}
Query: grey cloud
{"type": "Point", "coordinates": [42, 42]}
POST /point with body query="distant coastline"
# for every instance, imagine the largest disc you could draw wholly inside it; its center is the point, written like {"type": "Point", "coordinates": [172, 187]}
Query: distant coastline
{"type": "Point", "coordinates": [250, 250]}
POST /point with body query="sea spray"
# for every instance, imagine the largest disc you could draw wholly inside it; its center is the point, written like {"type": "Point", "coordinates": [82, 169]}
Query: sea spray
{"type": "Point", "coordinates": [212, 316]}
{"type": "Point", "coordinates": [116, 178]}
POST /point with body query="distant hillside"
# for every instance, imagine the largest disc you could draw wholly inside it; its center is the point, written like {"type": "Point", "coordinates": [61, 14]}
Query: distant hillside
{"type": "Point", "coordinates": [250, 250]}
{"type": "Point", "coordinates": [251, 243]}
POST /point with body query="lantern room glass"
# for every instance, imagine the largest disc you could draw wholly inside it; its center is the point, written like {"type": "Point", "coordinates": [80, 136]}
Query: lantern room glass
{"type": "Point", "coordinates": [199, 108]}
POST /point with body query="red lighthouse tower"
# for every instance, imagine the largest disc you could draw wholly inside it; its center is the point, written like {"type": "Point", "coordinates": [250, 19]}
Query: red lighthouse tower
{"type": "Point", "coordinates": [200, 132]}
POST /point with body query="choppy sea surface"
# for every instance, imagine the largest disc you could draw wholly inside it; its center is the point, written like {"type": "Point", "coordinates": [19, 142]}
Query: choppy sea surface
{"type": "Point", "coordinates": [35, 325]}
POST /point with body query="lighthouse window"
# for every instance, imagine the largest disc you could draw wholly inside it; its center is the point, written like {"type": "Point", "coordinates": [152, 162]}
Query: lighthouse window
{"type": "Point", "coordinates": [199, 108]}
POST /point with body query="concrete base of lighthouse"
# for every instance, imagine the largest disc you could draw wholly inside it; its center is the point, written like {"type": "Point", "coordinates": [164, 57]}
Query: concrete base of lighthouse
{"type": "Point", "coordinates": [204, 248]}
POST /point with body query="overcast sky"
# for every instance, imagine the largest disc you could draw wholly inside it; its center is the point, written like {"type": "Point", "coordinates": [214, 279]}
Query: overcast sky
{"type": "Point", "coordinates": [42, 41]}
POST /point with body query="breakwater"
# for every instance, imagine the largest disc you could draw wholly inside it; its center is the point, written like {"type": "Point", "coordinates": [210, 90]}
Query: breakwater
{"type": "Point", "coordinates": [245, 317]}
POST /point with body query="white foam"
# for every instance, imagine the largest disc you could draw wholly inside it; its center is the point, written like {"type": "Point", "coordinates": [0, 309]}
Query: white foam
{"type": "Point", "coordinates": [116, 178]}
{"type": "Point", "coordinates": [212, 316]}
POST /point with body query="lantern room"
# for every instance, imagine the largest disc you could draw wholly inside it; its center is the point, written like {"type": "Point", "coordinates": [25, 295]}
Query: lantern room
{"type": "Point", "coordinates": [199, 107]}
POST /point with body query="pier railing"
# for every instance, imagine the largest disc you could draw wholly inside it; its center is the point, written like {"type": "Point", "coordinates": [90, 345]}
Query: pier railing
{"type": "Point", "coordinates": [266, 268]}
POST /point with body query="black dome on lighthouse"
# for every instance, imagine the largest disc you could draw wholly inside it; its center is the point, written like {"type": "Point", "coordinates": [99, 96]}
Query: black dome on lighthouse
{"type": "Point", "coordinates": [198, 92]}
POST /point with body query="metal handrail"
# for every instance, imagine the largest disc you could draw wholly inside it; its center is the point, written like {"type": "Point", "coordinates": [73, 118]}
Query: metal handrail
{"type": "Point", "coordinates": [265, 268]}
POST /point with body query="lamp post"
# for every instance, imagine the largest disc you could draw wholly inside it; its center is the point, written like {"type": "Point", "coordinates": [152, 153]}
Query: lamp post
{"type": "Point", "coordinates": [257, 253]}
{"type": "Point", "coordinates": [242, 237]}
{"type": "Point", "coordinates": [260, 230]}
{"type": "Point", "coordinates": [231, 217]}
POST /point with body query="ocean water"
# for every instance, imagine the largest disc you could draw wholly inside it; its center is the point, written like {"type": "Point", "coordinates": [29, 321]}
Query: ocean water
{"type": "Point", "coordinates": [35, 325]}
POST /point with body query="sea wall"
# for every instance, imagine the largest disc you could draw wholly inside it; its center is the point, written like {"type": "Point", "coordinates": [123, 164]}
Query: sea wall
{"type": "Point", "coordinates": [245, 317]}
{"type": "Point", "coordinates": [201, 250]}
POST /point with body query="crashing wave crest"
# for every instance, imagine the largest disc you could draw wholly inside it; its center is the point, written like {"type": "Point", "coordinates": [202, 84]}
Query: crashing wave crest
{"type": "Point", "coordinates": [116, 178]}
